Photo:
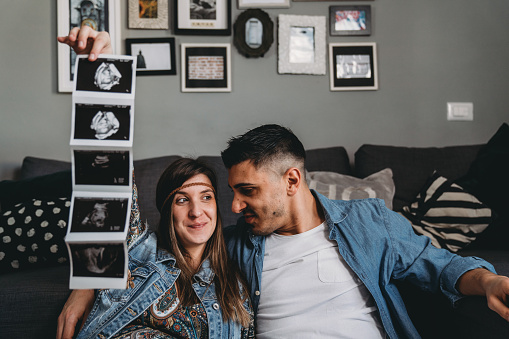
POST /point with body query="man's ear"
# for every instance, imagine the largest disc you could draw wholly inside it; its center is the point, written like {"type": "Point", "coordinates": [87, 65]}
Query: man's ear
{"type": "Point", "coordinates": [293, 177]}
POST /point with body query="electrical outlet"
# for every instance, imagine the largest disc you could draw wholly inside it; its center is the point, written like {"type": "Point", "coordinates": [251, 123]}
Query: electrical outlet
{"type": "Point", "coordinates": [460, 111]}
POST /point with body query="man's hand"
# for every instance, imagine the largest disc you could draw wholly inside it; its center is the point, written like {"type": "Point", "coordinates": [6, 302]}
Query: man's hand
{"type": "Point", "coordinates": [494, 287]}
{"type": "Point", "coordinates": [76, 308]}
{"type": "Point", "coordinates": [88, 41]}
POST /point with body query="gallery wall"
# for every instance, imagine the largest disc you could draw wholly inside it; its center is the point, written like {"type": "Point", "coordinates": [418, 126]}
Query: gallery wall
{"type": "Point", "coordinates": [429, 53]}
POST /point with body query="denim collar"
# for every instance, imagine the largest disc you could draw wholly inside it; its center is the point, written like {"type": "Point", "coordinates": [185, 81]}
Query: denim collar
{"type": "Point", "coordinates": [337, 215]}
{"type": "Point", "coordinates": [205, 272]}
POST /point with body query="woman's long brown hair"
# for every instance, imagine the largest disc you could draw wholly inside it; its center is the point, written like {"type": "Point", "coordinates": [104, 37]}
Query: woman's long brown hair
{"type": "Point", "coordinates": [226, 273]}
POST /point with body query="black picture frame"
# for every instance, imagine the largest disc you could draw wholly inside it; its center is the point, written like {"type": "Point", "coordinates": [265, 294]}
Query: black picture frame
{"type": "Point", "coordinates": [360, 25]}
{"type": "Point", "coordinates": [353, 66]}
{"type": "Point", "coordinates": [207, 58]}
{"type": "Point", "coordinates": [192, 21]}
{"type": "Point", "coordinates": [160, 50]}
{"type": "Point", "coordinates": [239, 35]}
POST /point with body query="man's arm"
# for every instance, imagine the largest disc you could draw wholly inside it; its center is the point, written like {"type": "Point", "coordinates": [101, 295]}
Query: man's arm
{"type": "Point", "coordinates": [88, 41]}
{"type": "Point", "coordinates": [483, 282]}
{"type": "Point", "coordinates": [76, 308]}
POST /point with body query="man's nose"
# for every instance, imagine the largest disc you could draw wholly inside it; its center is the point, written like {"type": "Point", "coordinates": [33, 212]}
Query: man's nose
{"type": "Point", "coordinates": [238, 205]}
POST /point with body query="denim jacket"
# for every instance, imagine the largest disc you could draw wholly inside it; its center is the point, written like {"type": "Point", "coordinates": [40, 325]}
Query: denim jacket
{"type": "Point", "coordinates": [380, 246]}
{"type": "Point", "coordinates": [153, 271]}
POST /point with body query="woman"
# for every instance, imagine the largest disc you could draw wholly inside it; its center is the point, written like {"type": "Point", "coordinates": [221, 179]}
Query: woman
{"type": "Point", "coordinates": [181, 283]}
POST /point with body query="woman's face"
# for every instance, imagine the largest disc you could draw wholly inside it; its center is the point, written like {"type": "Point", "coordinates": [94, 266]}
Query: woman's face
{"type": "Point", "coordinates": [195, 214]}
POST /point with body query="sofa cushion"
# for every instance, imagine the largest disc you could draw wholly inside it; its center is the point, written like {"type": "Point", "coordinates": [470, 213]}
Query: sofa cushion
{"type": "Point", "coordinates": [444, 212]}
{"type": "Point", "coordinates": [52, 185]}
{"type": "Point", "coordinates": [32, 234]}
{"type": "Point", "coordinates": [344, 187]}
{"type": "Point", "coordinates": [329, 159]}
{"type": "Point", "coordinates": [411, 166]}
{"type": "Point", "coordinates": [34, 167]}
{"type": "Point", "coordinates": [32, 301]}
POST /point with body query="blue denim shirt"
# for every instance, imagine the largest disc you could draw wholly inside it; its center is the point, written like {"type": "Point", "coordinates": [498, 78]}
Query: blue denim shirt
{"type": "Point", "coordinates": [380, 246]}
{"type": "Point", "coordinates": [153, 272]}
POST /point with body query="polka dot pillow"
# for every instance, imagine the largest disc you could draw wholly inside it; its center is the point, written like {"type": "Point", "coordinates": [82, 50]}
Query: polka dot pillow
{"type": "Point", "coordinates": [32, 234]}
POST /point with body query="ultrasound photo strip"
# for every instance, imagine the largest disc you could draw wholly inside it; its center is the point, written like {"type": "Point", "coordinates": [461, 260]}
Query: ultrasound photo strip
{"type": "Point", "coordinates": [108, 76]}
{"type": "Point", "coordinates": [97, 169]}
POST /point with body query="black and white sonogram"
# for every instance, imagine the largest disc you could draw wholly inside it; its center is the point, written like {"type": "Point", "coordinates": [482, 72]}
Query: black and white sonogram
{"type": "Point", "coordinates": [101, 167]}
{"type": "Point", "coordinates": [105, 75]}
{"type": "Point", "coordinates": [97, 260]}
{"type": "Point", "coordinates": [99, 214]}
{"type": "Point", "coordinates": [102, 122]}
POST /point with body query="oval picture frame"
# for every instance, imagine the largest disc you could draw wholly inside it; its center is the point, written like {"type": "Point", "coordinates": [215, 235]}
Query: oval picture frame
{"type": "Point", "coordinates": [239, 35]}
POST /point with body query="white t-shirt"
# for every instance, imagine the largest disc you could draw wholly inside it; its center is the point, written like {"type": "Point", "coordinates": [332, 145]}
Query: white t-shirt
{"type": "Point", "coordinates": [308, 291]}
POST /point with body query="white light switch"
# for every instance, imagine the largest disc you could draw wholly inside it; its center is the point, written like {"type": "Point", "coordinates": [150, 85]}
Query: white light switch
{"type": "Point", "coordinates": [460, 111]}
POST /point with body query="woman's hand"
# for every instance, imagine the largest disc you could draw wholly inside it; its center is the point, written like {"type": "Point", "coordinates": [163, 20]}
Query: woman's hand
{"type": "Point", "coordinates": [88, 41]}
{"type": "Point", "coordinates": [76, 308]}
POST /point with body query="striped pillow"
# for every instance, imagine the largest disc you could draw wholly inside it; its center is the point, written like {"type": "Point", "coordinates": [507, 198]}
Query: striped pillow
{"type": "Point", "coordinates": [444, 212]}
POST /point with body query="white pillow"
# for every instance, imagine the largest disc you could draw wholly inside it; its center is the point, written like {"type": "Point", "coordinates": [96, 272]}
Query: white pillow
{"type": "Point", "coordinates": [337, 186]}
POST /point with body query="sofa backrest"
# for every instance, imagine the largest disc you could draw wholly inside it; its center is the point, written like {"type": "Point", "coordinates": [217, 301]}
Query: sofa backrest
{"type": "Point", "coordinates": [148, 171]}
{"type": "Point", "coordinates": [412, 166]}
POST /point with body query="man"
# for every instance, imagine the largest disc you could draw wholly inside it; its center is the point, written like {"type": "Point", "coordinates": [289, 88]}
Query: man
{"type": "Point", "coordinates": [316, 267]}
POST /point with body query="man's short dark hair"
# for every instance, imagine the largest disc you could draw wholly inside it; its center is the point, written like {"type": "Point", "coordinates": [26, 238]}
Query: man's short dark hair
{"type": "Point", "coordinates": [264, 145]}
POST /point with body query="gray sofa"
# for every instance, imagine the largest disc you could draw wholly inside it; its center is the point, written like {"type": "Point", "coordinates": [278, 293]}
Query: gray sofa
{"type": "Point", "coordinates": [32, 298]}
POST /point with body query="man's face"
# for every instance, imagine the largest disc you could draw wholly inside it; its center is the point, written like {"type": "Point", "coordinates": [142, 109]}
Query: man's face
{"type": "Point", "coordinates": [260, 194]}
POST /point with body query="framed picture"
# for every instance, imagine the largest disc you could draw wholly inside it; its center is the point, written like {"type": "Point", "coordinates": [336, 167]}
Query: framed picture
{"type": "Point", "coordinates": [263, 3]}
{"type": "Point", "coordinates": [148, 14]}
{"type": "Point", "coordinates": [350, 20]}
{"type": "Point", "coordinates": [155, 56]}
{"type": "Point", "coordinates": [353, 66]}
{"type": "Point", "coordinates": [102, 15]}
{"type": "Point", "coordinates": [206, 67]}
{"type": "Point", "coordinates": [203, 17]}
{"type": "Point", "coordinates": [326, 0]}
{"type": "Point", "coordinates": [301, 44]}
{"type": "Point", "coordinates": [253, 33]}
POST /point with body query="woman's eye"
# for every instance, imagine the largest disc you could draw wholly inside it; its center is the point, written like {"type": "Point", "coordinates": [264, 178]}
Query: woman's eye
{"type": "Point", "coordinates": [208, 197]}
{"type": "Point", "coordinates": [180, 200]}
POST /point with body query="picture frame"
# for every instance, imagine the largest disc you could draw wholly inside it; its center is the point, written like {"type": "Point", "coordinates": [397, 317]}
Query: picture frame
{"type": "Point", "coordinates": [353, 66]}
{"type": "Point", "coordinates": [253, 33]}
{"type": "Point", "coordinates": [301, 48]}
{"type": "Point", "coordinates": [148, 14]}
{"type": "Point", "coordinates": [69, 17]}
{"type": "Point", "coordinates": [194, 19]}
{"type": "Point", "coordinates": [350, 20]}
{"type": "Point", "coordinates": [243, 4]}
{"type": "Point", "coordinates": [206, 67]}
{"type": "Point", "coordinates": [155, 56]}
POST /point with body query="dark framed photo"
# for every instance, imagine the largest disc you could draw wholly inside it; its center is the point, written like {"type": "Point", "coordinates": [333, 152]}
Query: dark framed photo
{"type": "Point", "coordinates": [353, 66]}
{"type": "Point", "coordinates": [102, 169]}
{"type": "Point", "coordinates": [202, 17]}
{"type": "Point", "coordinates": [102, 125]}
{"type": "Point", "coordinates": [101, 15]}
{"type": "Point", "coordinates": [107, 74]}
{"type": "Point", "coordinates": [206, 67]}
{"type": "Point", "coordinates": [253, 33]}
{"type": "Point", "coordinates": [154, 56]}
{"type": "Point", "coordinates": [148, 14]}
{"type": "Point", "coordinates": [350, 20]}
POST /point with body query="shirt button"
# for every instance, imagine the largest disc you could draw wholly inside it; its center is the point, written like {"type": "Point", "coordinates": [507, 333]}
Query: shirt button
{"type": "Point", "coordinates": [202, 284]}
{"type": "Point", "coordinates": [215, 306]}
{"type": "Point", "coordinates": [257, 293]}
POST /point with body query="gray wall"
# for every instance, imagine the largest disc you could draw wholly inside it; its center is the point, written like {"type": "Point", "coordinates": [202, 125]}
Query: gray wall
{"type": "Point", "coordinates": [429, 52]}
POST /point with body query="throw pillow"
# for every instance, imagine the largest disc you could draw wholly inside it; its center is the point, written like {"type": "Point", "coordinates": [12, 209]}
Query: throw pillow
{"type": "Point", "coordinates": [488, 176]}
{"type": "Point", "coordinates": [32, 234]}
{"type": "Point", "coordinates": [344, 187]}
{"type": "Point", "coordinates": [444, 212]}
